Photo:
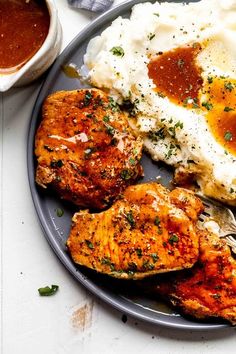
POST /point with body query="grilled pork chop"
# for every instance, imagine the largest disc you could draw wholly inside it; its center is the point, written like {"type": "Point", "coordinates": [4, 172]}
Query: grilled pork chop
{"type": "Point", "coordinates": [85, 149]}
{"type": "Point", "coordinates": [209, 288]}
{"type": "Point", "coordinates": [143, 233]}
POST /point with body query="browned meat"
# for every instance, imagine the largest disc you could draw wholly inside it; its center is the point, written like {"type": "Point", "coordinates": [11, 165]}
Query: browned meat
{"type": "Point", "coordinates": [85, 149]}
{"type": "Point", "coordinates": [143, 233]}
{"type": "Point", "coordinates": [187, 201]}
{"type": "Point", "coordinates": [209, 288]}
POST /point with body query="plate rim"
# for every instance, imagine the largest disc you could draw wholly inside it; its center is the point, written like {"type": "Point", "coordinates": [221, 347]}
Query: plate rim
{"type": "Point", "coordinates": [88, 284]}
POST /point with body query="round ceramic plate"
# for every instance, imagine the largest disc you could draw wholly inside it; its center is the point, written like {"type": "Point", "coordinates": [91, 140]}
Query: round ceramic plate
{"type": "Point", "coordinates": [56, 229]}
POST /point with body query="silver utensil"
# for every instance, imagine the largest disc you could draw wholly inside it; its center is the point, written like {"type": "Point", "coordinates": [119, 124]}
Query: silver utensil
{"type": "Point", "coordinates": [223, 216]}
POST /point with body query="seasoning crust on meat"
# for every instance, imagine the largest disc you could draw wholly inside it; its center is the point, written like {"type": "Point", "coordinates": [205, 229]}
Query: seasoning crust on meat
{"type": "Point", "coordinates": [143, 233]}
{"type": "Point", "coordinates": [209, 288]}
{"type": "Point", "coordinates": [85, 149]}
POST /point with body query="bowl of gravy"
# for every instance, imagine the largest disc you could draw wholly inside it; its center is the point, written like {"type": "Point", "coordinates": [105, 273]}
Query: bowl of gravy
{"type": "Point", "coordinates": [30, 40]}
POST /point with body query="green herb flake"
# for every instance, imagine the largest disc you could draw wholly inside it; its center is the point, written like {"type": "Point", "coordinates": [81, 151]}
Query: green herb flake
{"type": "Point", "coordinates": [87, 98]}
{"type": "Point", "coordinates": [179, 125]}
{"type": "Point", "coordinates": [89, 244]}
{"type": "Point", "coordinates": [156, 14]}
{"type": "Point", "coordinates": [228, 109]}
{"type": "Point", "coordinates": [106, 261]}
{"type": "Point", "coordinates": [110, 130]}
{"type": "Point", "coordinates": [139, 252]}
{"type": "Point", "coordinates": [47, 291]}
{"type": "Point", "coordinates": [113, 105]}
{"type": "Point", "coordinates": [112, 267]}
{"type": "Point", "coordinates": [126, 175]}
{"type": "Point", "coordinates": [130, 218]}
{"type": "Point", "coordinates": [154, 257]}
{"type": "Point", "coordinates": [207, 105]}
{"type": "Point", "coordinates": [195, 103]}
{"type": "Point", "coordinates": [132, 161]}
{"type": "Point", "coordinates": [118, 51]}
{"type": "Point", "coordinates": [155, 136]}
{"type": "Point", "coordinates": [59, 212]}
{"type": "Point", "coordinates": [106, 119]}
{"type": "Point", "coordinates": [157, 221]}
{"type": "Point", "coordinates": [231, 190]}
{"type": "Point", "coordinates": [229, 86]}
{"type": "Point", "coordinates": [210, 79]}
{"type": "Point", "coordinates": [173, 239]}
{"type": "Point", "coordinates": [228, 136]}
{"type": "Point", "coordinates": [151, 36]}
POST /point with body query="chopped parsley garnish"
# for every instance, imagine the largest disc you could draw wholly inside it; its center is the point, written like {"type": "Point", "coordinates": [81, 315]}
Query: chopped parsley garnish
{"type": "Point", "coordinates": [147, 266]}
{"type": "Point", "coordinates": [151, 36]}
{"type": "Point", "coordinates": [229, 86]}
{"type": "Point", "coordinates": [106, 261]}
{"type": "Point", "coordinates": [207, 105]}
{"type": "Point", "coordinates": [139, 252]}
{"type": "Point", "coordinates": [155, 136]}
{"type": "Point", "coordinates": [156, 14]}
{"type": "Point", "coordinates": [47, 291]}
{"type": "Point", "coordinates": [132, 161]}
{"type": "Point", "coordinates": [89, 244]}
{"type": "Point", "coordinates": [231, 190]}
{"type": "Point", "coordinates": [154, 257]}
{"type": "Point", "coordinates": [228, 109]}
{"type": "Point", "coordinates": [110, 130]}
{"type": "Point", "coordinates": [210, 79]}
{"type": "Point", "coordinates": [119, 51]}
{"type": "Point", "coordinates": [173, 239]}
{"type": "Point", "coordinates": [228, 136]}
{"type": "Point", "coordinates": [106, 119]}
{"type": "Point", "coordinates": [59, 212]}
{"type": "Point", "coordinates": [113, 105]}
{"type": "Point", "coordinates": [130, 218]}
{"type": "Point", "coordinates": [179, 125]}
{"type": "Point", "coordinates": [87, 98]}
{"type": "Point", "coordinates": [126, 175]}
{"type": "Point", "coordinates": [157, 221]}
{"type": "Point", "coordinates": [195, 103]}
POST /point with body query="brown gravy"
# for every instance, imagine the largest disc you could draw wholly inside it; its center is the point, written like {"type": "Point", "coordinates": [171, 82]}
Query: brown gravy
{"type": "Point", "coordinates": [176, 74]}
{"type": "Point", "coordinates": [24, 26]}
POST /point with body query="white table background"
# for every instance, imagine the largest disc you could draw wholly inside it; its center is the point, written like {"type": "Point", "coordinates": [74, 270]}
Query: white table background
{"type": "Point", "coordinates": [72, 321]}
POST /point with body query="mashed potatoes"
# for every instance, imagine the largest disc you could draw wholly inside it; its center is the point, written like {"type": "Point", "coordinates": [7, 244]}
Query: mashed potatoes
{"type": "Point", "coordinates": [177, 65]}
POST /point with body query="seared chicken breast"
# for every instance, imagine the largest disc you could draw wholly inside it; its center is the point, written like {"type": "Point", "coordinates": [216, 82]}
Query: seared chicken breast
{"type": "Point", "coordinates": [145, 232]}
{"type": "Point", "coordinates": [85, 149]}
{"type": "Point", "coordinates": [209, 288]}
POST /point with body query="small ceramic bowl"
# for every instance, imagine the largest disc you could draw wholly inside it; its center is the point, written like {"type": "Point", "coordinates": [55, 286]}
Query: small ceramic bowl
{"type": "Point", "coordinates": [43, 58]}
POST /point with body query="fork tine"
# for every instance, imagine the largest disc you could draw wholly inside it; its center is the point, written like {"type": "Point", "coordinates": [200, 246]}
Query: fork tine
{"type": "Point", "coordinates": [231, 242]}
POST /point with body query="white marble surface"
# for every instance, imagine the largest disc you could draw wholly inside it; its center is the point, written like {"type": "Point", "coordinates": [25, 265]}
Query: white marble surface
{"type": "Point", "coordinates": [34, 324]}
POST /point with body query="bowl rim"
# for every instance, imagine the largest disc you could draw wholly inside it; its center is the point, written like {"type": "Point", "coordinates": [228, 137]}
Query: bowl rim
{"type": "Point", "coordinates": [10, 79]}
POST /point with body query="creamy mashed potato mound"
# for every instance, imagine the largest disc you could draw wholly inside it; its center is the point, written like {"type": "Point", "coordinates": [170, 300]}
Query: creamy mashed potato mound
{"type": "Point", "coordinates": [176, 64]}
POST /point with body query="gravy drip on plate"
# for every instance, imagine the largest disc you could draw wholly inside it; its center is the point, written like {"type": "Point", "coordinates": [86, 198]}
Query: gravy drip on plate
{"type": "Point", "coordinates": [23, 29]}
{"type": "Point", "coordinates": [176, 73]}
